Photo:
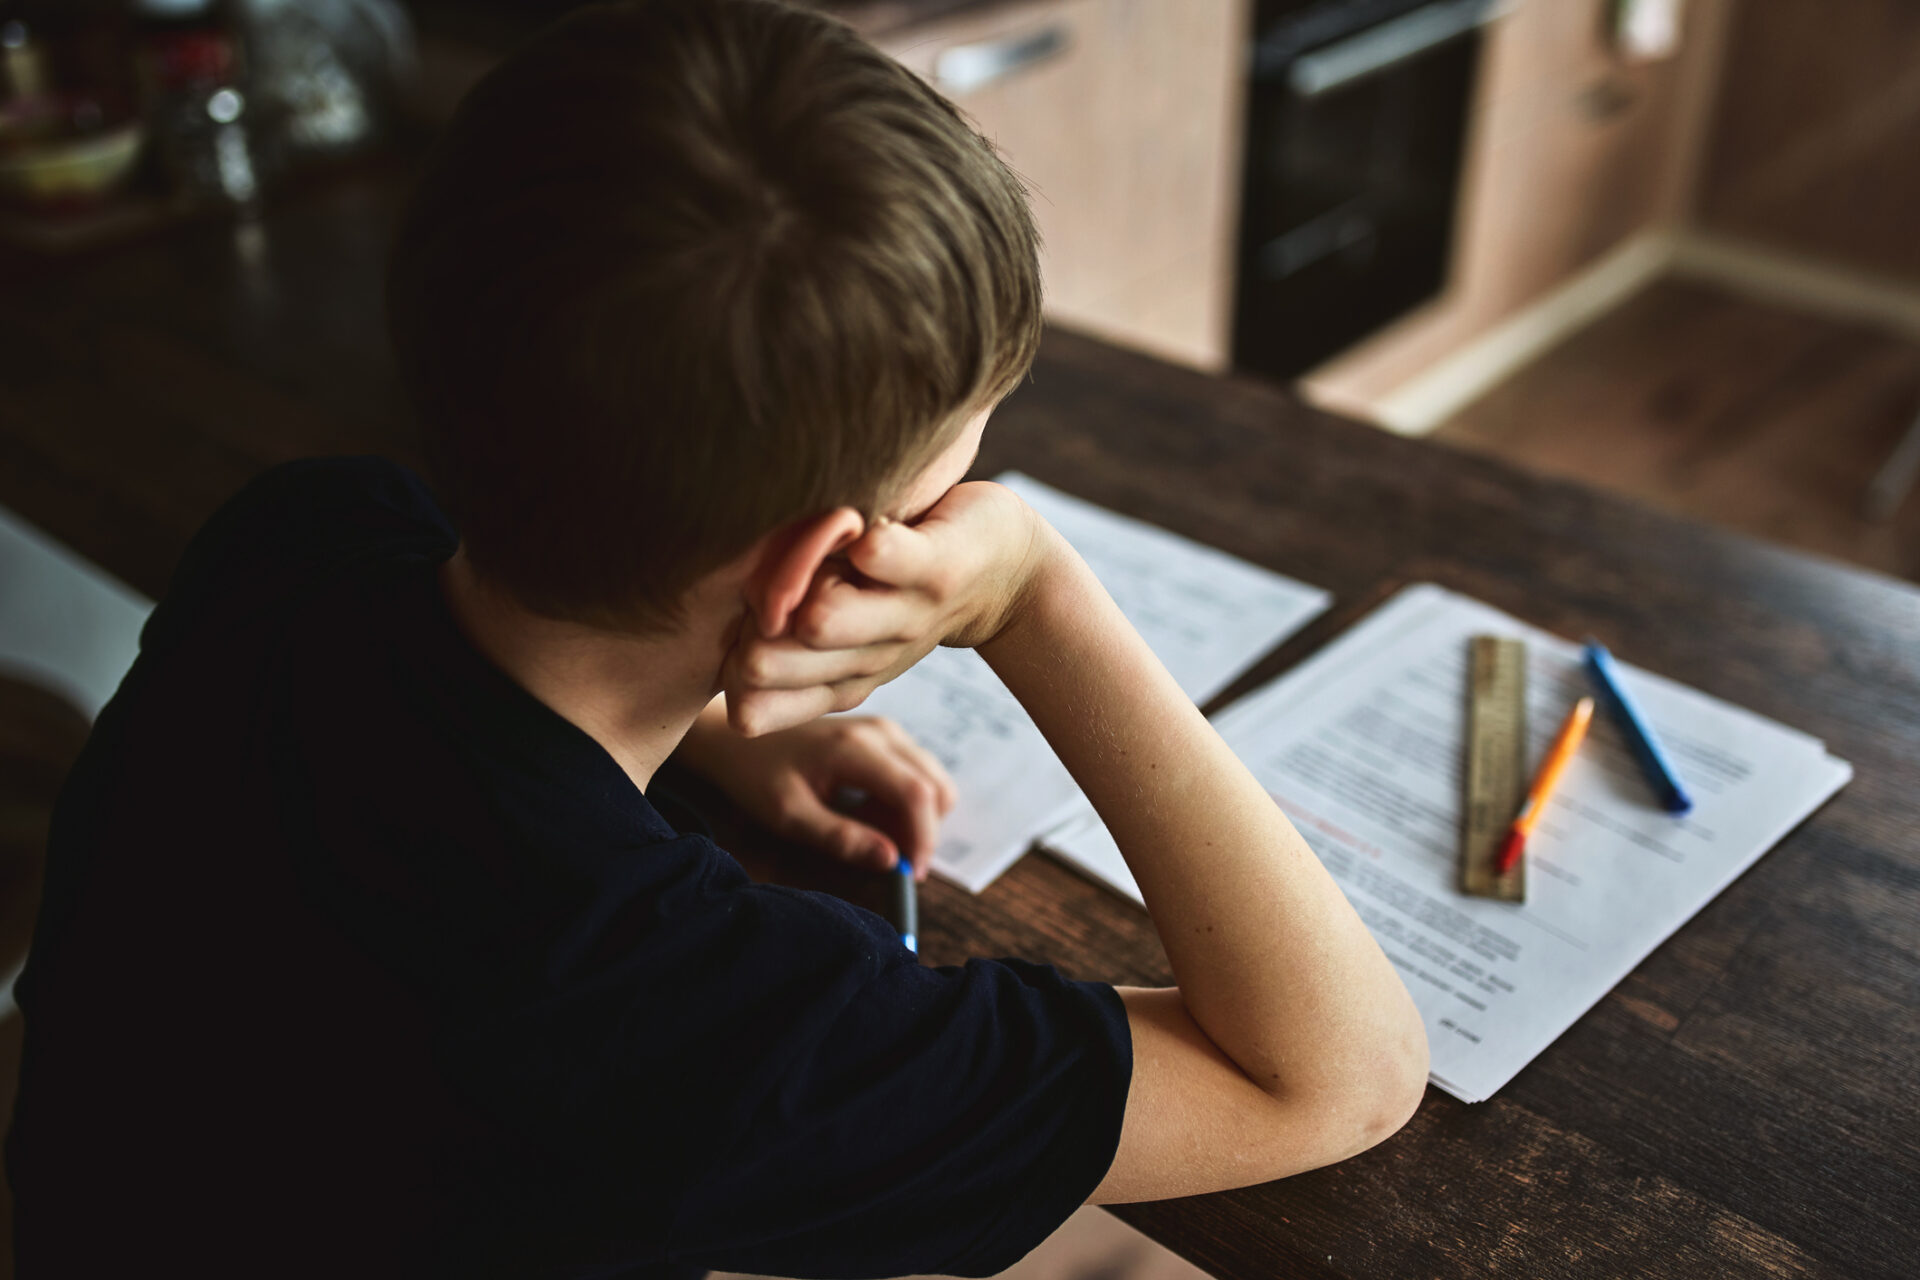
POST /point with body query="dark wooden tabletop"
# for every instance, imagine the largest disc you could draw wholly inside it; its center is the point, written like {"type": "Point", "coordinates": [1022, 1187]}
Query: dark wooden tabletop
{"type": "Point", "coordinates": [1745, 1103]}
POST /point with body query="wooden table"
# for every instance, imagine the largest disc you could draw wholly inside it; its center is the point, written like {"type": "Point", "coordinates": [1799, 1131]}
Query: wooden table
{"type": "Point", "coordinates": [1747, 1102]}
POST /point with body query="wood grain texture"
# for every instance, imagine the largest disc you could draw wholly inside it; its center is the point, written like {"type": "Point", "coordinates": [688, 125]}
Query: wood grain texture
{"type": "Point", "coordinates": [1744, 1104]}
{"type": "Point", "coordinates": [1738, 1107]}
{"type": "Point", "coordinates": [1129, 139]}
{"type": "Point", "coordinates": [1746, 414]}
{"type": "Point", "coordinates": [1816, 130]}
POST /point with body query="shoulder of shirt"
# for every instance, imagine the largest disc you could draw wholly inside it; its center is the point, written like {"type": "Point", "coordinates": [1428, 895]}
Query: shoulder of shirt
{"type": "Point", "coordinates": [294, 524]}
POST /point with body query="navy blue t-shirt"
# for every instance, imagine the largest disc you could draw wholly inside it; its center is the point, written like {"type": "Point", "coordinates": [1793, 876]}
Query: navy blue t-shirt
{"type": "Point", "coordinates": [356, 959]}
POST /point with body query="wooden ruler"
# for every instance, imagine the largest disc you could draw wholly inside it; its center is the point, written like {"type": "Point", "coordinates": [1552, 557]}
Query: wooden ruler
{"type": "Point", "coordinates": [1496, 779]}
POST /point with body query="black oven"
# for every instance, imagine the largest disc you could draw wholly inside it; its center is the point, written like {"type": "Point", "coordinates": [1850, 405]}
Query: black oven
{"type": "Point", "coordinates": [1356, 122]}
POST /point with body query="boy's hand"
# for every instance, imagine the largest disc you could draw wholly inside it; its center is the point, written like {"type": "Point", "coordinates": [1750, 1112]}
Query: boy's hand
{"type": "Point", "coordinates": [791, 780]}
{"type": "Point", "coordinates": [952, 577]}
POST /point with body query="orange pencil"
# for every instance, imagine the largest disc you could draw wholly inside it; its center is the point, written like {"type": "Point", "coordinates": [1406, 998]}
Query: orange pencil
{"type": "Point", "coordinates": [1564, 746]}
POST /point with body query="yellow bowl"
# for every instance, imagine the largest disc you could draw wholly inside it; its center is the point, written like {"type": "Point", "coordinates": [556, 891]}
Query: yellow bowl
{"type": "Point", "coordinates": [71, 170]}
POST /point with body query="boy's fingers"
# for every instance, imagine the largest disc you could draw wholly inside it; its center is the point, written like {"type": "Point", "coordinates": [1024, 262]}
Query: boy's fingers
{"type": "Point", "coordinates": [754, 713]}
{"type": "Point", "coordinates": [805, 817]}
{"type": "Point", "coordinates": [899, 785]}
{"type": "Point", "coordinates": [892, 553]}
{"type": "Point", "coordinates": [757, 712]}
{"type": "Point", "coordinates": [841, 615]}
{"type": "Point", "coordinates": [925, 761]}
{"type": "Point", "coordinates": [787, 664]}
{"type": "Point", "coordinates": [922, 864]}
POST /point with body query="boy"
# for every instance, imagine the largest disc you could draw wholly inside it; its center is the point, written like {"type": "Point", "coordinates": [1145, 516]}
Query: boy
{"type": "Point", "coordinates": [369, 947]}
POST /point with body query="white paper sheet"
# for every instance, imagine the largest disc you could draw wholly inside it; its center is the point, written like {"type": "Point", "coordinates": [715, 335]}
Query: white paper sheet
{"type": "Point", "coordinates": [66, 626]}
{"type": "Point", "coordinates": [64, 623]}
{"type": "Point", "coordinates": [1206, 614]}
{"type": "Point", "coordinates": [1362, 747]}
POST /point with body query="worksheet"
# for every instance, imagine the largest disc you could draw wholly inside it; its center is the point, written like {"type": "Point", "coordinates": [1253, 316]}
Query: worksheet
{"type": "Point", "coordinates": [1362, 747]}
{"type": "Point", "coordinates": [65, 626]}
{"type": "Point", "coordinates": [1206, 614]}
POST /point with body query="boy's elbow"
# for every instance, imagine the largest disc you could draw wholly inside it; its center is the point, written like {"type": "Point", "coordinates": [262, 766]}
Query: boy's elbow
{"type": "Point", "coordinates": [1378, 1093]}
{"type": "Point", "coordinates": [1401, 1084]}
{"type": "Point", "coordinates": [1402, 1098]}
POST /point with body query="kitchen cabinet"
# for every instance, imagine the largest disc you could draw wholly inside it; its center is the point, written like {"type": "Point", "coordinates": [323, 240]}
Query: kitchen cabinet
{"type": "Point", "coordinates": [1124, 117]}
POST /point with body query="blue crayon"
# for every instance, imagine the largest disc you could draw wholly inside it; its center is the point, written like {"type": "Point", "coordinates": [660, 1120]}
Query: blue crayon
{"type": "Point", "coordinates": [1639, 734]}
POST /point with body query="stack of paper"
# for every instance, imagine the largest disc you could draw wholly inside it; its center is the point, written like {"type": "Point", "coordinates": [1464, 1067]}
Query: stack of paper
{"type": "Point", "coordinates": [1205, 613]}
{"type": "Point", "coordinates": [1362, 747]}
{"type": "Point", "coordinates": [65, 626]}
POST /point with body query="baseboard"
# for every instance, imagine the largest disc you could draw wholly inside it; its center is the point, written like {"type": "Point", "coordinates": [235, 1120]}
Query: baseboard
{"type": "Point", "coordinates": [1769, 275]}
{"type": "Point", "coordinates": [1429, 398]}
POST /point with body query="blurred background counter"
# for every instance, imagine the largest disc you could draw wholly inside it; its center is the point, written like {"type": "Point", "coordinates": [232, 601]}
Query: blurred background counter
{"type": "Point", "coordinates": [1664, 246]}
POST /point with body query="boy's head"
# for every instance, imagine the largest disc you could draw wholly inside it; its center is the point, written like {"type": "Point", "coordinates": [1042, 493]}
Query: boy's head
{"type": "Point", "coordinates": [685, 271]}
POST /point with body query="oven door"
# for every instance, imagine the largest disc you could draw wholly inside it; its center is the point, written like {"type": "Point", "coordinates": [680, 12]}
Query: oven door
{"type": "Point", "coordinates": [1357, 122]}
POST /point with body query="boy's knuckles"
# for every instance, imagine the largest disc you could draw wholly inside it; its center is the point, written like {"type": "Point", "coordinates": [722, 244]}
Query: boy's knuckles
{"type": "Point", "coordinates": [755, 715]}
{"type": "Point", "coordinates": [878, 553]}
{"type": "Point", "coordinates": [869, 554]}
{"type": "Point", "coordinates": [849, 733]}
{"type": "Point", "coordinates": [789, 813]}
{"type": "Point", "coordinates": [810, 627]}
{"type": "Point", "coordinates": [759, 666]}
{"type": "Point", "coordinates": [918, 792]}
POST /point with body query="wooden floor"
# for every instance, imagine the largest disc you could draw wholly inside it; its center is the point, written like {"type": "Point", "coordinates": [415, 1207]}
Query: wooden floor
{"type": "Point", "coordinates": [1744, 414]}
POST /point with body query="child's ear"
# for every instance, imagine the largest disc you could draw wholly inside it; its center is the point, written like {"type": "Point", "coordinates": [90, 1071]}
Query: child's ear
{"type": "Point", "coordinates": [788, 560]}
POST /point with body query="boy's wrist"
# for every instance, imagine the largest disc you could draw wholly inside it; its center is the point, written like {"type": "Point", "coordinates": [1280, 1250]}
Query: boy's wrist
{"type": "Point", "coordinates": [1047, 572]}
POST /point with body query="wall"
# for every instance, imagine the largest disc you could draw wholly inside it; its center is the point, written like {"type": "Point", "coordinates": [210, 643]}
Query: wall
{"type": "Point", "coordinates": [1815, 146]}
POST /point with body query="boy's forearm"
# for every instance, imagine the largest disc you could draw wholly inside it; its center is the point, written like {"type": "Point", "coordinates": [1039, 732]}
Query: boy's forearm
{"type": "Point", "coordinates": [1271, 961]}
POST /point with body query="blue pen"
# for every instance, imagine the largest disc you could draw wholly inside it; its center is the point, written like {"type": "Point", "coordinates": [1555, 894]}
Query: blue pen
{"type": "Point", "coordinates": [1639, 734]}
{"type": "Point", "coordinates": [903, 904]}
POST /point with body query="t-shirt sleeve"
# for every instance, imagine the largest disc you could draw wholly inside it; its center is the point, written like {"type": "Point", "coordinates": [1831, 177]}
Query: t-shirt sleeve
{"type": "Point", "coordinates": [751, 1078]}
{"type": "Point", "coordinates": [289, 528]}
{"type": "Point", "coordinates": [935, 1120]}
